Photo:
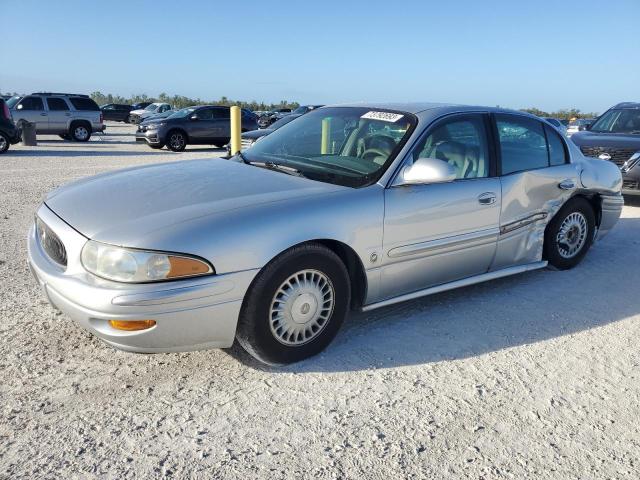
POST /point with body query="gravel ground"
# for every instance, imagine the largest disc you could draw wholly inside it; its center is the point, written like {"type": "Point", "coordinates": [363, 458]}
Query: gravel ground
{"type": "Point", "coordinates": [534, 376]}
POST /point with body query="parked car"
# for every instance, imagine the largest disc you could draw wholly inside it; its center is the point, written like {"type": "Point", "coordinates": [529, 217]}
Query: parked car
{"type": "Point", "coordinates": [268, 118]}
{"type": "Point", "coordinates": [578, 125]}
{"type": "Point", "coordinates": [136, 116]}
{"type": "Point", "coordinates": [615, 136]}
{"type": "Point", "coordinates": [302, 109]}
{"type": "Point", "coordinates": [116, 112]}
{"type": "Point", "coordinates": [558, 124]}
{"type": "Point", "coordinates": [201, 125]}
{"type": "Point", "coordinates": [70, 115]}
{"type": "Point", "coordinates": [140, 105]}
{"type": "Point", "coordinates": [9, 133]}
{"type": "Point", "coordinates": [348, 207]}
{"type": "Point", "coordinates": [252, 136]}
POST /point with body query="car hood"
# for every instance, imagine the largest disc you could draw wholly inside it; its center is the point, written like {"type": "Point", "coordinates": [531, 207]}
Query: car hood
{"type": "Point", "coordinates": [138, 112]}
{"type": "Point", "coordinates": [595, 139]}
{"type": "Point", "coordinates": [124, 207]}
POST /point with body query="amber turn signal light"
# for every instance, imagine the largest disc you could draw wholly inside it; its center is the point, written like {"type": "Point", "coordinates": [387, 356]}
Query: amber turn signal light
{"type": "Point", "coordinates": [186, 267]}
{"type": "Point", "coordinates": [132, 325]}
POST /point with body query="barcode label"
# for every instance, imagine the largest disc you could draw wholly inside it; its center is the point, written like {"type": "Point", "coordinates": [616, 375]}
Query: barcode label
{"type": "Point", "coordinates": [384, 116]}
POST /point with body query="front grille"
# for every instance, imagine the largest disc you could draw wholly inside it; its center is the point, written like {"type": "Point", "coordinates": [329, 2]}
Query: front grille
{"type": "Point", "coordinates": [631, 185]}
{"type": "Point", "coordinates": [618, 155]}
{"type": "Point", "coordinates": [50, 243]}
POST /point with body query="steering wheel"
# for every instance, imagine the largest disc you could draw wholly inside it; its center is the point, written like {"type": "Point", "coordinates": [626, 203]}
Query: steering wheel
{"type": "Point", "coordinates": [376, 152]}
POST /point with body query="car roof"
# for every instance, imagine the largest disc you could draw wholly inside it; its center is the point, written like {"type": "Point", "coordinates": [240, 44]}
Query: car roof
{"type": "Point", "coordinates": [423, 109]}
{"type": "Point", "coordinates": [628, 105]}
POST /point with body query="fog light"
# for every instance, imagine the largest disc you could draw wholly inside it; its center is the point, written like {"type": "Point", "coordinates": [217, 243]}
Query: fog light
{"type": "Point", "coordinates": [132, 325]}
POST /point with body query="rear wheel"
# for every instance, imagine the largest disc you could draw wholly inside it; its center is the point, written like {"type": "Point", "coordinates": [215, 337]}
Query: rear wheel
{"type": "Point", "coordinates": [295, 306]}
{"type": "Point", "coordinates": [4, 143]}
{"type": "Point", "coordinates": [80, 132]}
{"type": "Point", "coordinates": [570, 233]}
{"type": "Point", "coordinates": [177, 141]}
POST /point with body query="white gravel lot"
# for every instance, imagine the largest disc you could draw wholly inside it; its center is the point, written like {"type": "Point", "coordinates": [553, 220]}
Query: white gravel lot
{"type": "Point", "coordinates": [534, 376]}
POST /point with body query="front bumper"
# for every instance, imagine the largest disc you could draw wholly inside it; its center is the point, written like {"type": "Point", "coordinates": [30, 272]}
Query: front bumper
{"type": "Point", "coordinates": [611, 211]}
{"type": "Point", "coordinates": [190, 314]}
{"type": "Point", "coordinates": [149, 136]}
{"type": "Point", "coordinates": [631, 181]}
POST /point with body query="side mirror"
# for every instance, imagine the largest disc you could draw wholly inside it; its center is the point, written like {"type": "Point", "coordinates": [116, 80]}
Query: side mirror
{"type": "Point", "coordinates": [428, 170]}
{"type": "Point", "coordinates": [20, 107]}
{"type": "Point", "coordinates": [194, 116]}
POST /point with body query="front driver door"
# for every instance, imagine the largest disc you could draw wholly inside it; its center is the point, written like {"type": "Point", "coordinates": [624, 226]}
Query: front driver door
{"type": "Point", "coordinates": [438, 233]}
{"type": "Point", "coordinates": [32, 110]}
{"type": "Point", "coordinates": [203, 129]}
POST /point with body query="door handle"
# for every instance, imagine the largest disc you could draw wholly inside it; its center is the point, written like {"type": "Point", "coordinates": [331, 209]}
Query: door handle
{"type": "Point", "coordinates": [487, 198]}
{"type": "Point", "coordinates": [43, 114]}
{"type": "Point", "coordinates": [567, 184]}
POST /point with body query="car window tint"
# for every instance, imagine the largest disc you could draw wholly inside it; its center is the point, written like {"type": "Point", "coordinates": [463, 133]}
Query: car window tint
{"type": "Point", "coordinates": [32, 103]}
{"type": "Point", "coordinates": [221, 113]}
{"type": "Point", "coordinates": [522, 143]}
{"type": "Point", "coordinates": [557, 152]}
{"type": "Point", "coordinates": [57, 104]}
{"type": "Point", "coordinates": [82, 103]}
{"type": "Point", "coordinates": [461, 142]}
{"type": "Point", "coordinates": [205, 114]}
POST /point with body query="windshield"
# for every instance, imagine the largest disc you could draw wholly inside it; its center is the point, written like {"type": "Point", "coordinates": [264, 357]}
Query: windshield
{"type": "Point", "coordinates": [151, 107]}
{"type": "Point", "coordinates": [12, 101]}
{"type": "Point", "coordinates": [182, 113]}
{"type": "Point", "coordinates": [350, 146]}
{"type": "Point", "coordinates": [618, 121]}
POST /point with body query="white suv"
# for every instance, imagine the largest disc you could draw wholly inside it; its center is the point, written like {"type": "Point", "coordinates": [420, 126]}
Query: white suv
{"type": "Point", "coordinates": [73, 117]}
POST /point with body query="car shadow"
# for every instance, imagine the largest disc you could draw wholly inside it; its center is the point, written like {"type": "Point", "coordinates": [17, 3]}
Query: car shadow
{"type": "Point", "coordinates": [488, 317]}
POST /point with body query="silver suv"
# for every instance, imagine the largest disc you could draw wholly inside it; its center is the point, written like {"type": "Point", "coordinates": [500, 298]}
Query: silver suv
{"type": "Point", "coordinates": [72, 116]}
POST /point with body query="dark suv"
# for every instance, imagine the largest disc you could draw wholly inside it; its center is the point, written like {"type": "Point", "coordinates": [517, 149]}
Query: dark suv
{"type": "Point", "coordinates": [615, 136]}
{"type": "Point", "coordinates": [201, 125]}
{"type": "Point", "coordinates": [117, 112]}
{"type": "Point", "coordinates": [9, 133]}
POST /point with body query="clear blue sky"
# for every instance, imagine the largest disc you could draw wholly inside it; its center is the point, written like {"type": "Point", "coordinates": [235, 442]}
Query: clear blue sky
{"type": "Point", "coordinates": [514, 53]}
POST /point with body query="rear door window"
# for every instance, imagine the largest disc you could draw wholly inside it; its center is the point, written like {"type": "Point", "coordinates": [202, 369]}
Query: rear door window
{"type": "Point", "coordinates": [221, 113]}
{"type": "Point", "coordinates": [57, 104]}
{"type": "Point", "coordinates": [523, 145]}
{"type": "Point", "coordinates": [557, 151]}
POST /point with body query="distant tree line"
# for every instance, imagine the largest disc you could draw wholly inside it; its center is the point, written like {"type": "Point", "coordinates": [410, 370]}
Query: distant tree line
{"type": "Point", "coordinates": [180, 101]}
{"type": "Point", "coordinates": [563, 114]}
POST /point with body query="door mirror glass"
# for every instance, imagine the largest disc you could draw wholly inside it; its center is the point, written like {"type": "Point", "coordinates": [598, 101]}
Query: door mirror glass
{"type": "Point", "coordinates": [194, 116]}
{"type": "Point", "coordinates": [428, 170]}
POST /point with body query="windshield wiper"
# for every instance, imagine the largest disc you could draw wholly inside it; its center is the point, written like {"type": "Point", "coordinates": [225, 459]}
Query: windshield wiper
{"type": "Point", "coordinates": [271, 166]}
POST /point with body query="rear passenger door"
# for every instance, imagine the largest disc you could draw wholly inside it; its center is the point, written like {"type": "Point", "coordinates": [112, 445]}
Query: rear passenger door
{"type": "Point", "coordinates": [222, 117]}
{"type": "Point", "coordinates": [31, 109]}
{"type": "Point", "coordinates": [59, 114]}
{"type": "Point", "coordinates": [536, 179]}
{"type": "Point", "coordinates": [203, 129]}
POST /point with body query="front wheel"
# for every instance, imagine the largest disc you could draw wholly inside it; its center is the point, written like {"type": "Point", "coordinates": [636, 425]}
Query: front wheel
{"type": "Point", "coordinates": [177, 141]}
{"type": "Point", "coordinates": [570, 233]}
{"type": "Point", "coordinates": [295, 306]}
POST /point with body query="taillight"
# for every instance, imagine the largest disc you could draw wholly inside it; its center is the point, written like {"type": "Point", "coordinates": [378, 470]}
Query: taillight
{"type": "Point", "coordinates": [5, 111]}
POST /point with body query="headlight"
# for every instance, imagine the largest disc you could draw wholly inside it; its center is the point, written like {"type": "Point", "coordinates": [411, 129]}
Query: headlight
{"type": "Point", "coordinates": [154, 126]}
{"type": "Point", "coordinates": [137, 266]}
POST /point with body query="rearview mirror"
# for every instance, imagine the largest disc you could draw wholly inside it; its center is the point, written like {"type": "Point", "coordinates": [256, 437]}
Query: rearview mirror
{"type": "Point", "coordinates": [428, 170]}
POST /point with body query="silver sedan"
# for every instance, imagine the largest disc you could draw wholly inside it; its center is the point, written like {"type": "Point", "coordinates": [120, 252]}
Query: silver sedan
{"type": "Point", "coordinates": [347, 207]}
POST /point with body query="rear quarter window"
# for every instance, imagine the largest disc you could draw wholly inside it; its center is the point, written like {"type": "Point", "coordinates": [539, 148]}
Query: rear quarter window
{"type": "Point", "coordinates": [81, 103]}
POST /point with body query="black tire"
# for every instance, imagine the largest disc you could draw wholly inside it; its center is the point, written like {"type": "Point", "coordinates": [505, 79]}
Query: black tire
{"type": "Point", "coordinates": [65, 136]}
{"type": "Point", "coordinates": [4, 143]}
{"type": "Point", "coordinates": [176, 140]}
{"type": "Point", "coordinates": [157, 146]}
{"type": "Point", "coordinates": [565, 251]}
{"type": "Point", "coordinates": [127, 119]}
{"type": "Point", "coordinates": [255, 332]}
{"type": "Point", "coordinates": [80, 131]}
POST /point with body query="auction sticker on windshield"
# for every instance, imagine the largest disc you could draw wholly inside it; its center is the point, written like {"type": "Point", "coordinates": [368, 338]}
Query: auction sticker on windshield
{"type": "Point", "coordinates": [384, 116]}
